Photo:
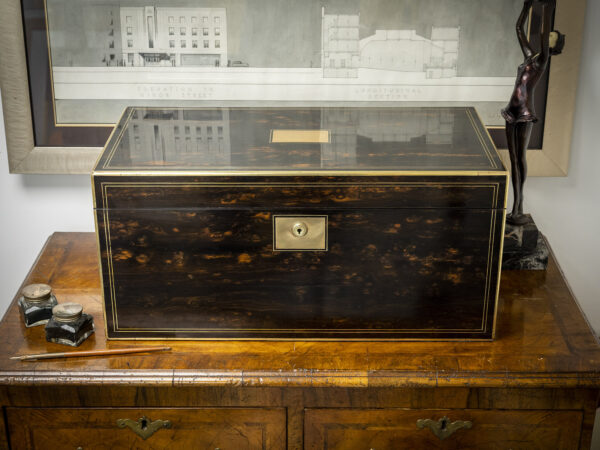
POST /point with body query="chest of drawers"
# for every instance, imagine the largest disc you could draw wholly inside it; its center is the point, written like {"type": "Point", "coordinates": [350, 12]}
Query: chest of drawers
{"type": "Point", "coordinates": [535, 386]}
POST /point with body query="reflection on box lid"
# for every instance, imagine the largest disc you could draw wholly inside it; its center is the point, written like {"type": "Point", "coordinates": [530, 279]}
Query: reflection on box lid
{"type": "Point", "coordinates": [300, 139]}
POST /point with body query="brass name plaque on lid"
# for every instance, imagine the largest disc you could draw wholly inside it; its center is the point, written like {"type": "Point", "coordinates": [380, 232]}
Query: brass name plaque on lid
{"type": "Point", "coordinates": [300, 136]}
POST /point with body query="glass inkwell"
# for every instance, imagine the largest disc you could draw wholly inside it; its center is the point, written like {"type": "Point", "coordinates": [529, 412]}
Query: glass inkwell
{"type": "Point", "coordinates": [69, 325]}
{"type": "Point", "coordinates": [36, 303]}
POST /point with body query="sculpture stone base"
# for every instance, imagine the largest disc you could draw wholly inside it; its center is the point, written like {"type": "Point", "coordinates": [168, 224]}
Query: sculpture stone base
{"type": "Point", "coordinates": [524, 247]}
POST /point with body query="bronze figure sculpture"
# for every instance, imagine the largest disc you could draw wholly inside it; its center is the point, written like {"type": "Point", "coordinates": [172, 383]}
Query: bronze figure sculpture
{"type": "Point", "coordinates": [520, 113]}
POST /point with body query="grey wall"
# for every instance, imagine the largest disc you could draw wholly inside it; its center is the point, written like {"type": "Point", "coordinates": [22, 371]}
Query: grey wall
{"type": "Point", "coordinates": [567, 209]}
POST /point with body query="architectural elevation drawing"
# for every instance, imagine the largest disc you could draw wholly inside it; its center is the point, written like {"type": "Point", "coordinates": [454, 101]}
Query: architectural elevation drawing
{"type": "Point", "coordinates": [343, 53]}
{"type": "Point", "coordinates": [108, 54]}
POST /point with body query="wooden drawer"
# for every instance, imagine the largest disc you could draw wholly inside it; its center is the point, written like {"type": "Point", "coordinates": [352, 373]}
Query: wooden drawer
{"type": "Point", "coordinates": [210, 428]}
{"type": "Point", "coordinates": [397, 429]}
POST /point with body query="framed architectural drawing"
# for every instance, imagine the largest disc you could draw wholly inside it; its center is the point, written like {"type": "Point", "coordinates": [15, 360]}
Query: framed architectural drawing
{"type": "Point", "coordinates": [69, 67]}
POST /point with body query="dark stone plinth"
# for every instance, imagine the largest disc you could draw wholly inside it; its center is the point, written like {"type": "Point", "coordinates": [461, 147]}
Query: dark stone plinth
{"type": "Point", "coordinates": [534, 260]}
{"type": "Point", "coordinates": [521, 238]}
{"type": "Point", "coordinates": [524, 247]}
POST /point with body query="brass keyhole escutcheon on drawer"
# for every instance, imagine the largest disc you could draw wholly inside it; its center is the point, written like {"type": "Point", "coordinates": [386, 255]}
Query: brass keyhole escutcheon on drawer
{"type": "Point", "coordinates": [143, 427]}
{"type": "Point", "coordinates": [443, 428]}
{"type": "Point", "coordinates": [299, 233]}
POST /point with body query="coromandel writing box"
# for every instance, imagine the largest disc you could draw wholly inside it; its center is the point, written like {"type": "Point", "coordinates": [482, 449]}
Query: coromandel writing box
{"type": "Point", "coordinates": [300, 223]}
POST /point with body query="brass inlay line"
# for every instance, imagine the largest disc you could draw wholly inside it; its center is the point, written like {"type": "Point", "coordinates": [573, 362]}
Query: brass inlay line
{"type": "Point", "coordinates": [294, 173]}
{"type": "Point", "coordinates": [119, 137]}
{"type": "Point", "coordinates": [488, 268]}
{"type": "Point", "coordinates": [500, 258]}
{"type": "Point", "coordinates": [303, 330]}
{"type": "Point", "coordinates": [100, 264]}
{"type": "Point", "coordinates": [108, 141]}
{"type": "Point", "coordinates": [489, 153]}
{"type": "Point", "coordinates": [308, 339]}
{"type": "Point", "coordinates": [279, 184]}
{"type": "Point", "coordinates": [490, 263]}
{"type": "Point", "coordinates": [113, 294]}
{"type": "Point", "coordinates": [482, 141]}
{"type": "Point", "coordinates": [487, 130]}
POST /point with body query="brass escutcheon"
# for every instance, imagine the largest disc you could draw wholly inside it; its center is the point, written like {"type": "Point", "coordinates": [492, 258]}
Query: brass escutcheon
{"type": "Point", "coordinates": [144, 427]}
{"type": "Point", "coordinates": [299, 233]}
{"type": "Point", "coordinates": [443, 428]}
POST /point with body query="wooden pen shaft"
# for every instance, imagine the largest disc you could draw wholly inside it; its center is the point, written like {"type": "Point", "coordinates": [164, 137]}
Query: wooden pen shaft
{"type": "Point", "coordinates": [115, 351]}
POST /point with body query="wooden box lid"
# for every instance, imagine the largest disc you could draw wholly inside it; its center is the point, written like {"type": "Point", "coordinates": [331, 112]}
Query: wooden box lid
{"type": "Point", "coordinates": [300, 141]}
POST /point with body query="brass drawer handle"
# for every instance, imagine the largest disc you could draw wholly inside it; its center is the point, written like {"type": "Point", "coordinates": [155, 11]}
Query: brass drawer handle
{"type": "Point", "coordinates": [144, 427]}
{"type": "Point", "coordinates": [443, 427]}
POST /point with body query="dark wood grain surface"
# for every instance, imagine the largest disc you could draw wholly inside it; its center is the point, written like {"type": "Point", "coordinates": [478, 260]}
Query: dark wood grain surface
{"type": "Point", "coordinates": [347, 429]}
{"type": "Point", "coordinates": [395, 274]}
{"type": "Point", "coordinates": [241, 139]}
{"type": "Point", "coordinates": [298, 192]}
{"type": "Point", "coordinates": [543, 339]}
{"type": "Point", "coordinates": [199, 428]}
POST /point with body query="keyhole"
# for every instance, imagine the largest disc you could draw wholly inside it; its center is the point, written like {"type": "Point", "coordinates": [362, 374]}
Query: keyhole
{"type": "Point", "coordinates": [299, 229]}
{"type": "Point", "coordinates": [443, 424]}
{"type": "Point", "coordinates": [144, 424]}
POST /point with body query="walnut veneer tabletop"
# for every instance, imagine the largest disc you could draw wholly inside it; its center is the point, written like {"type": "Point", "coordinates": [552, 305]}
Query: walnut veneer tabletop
{"type": "Point", "coordinates": [542, 340]}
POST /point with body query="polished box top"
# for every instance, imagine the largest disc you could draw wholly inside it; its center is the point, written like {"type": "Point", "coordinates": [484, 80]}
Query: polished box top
{"type": "Point", "coordinates": [302, 140]}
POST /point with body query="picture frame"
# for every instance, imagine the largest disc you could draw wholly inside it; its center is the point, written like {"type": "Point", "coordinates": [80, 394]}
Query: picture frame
{"type": "Point", "coordinates": [26, 157]}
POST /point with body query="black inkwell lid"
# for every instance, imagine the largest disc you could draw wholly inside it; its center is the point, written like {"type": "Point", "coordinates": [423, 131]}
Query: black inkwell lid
{"type": "Point", "coordinates": [67, 312]}
{"type": "Point", "coordinates": [36, 293]}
